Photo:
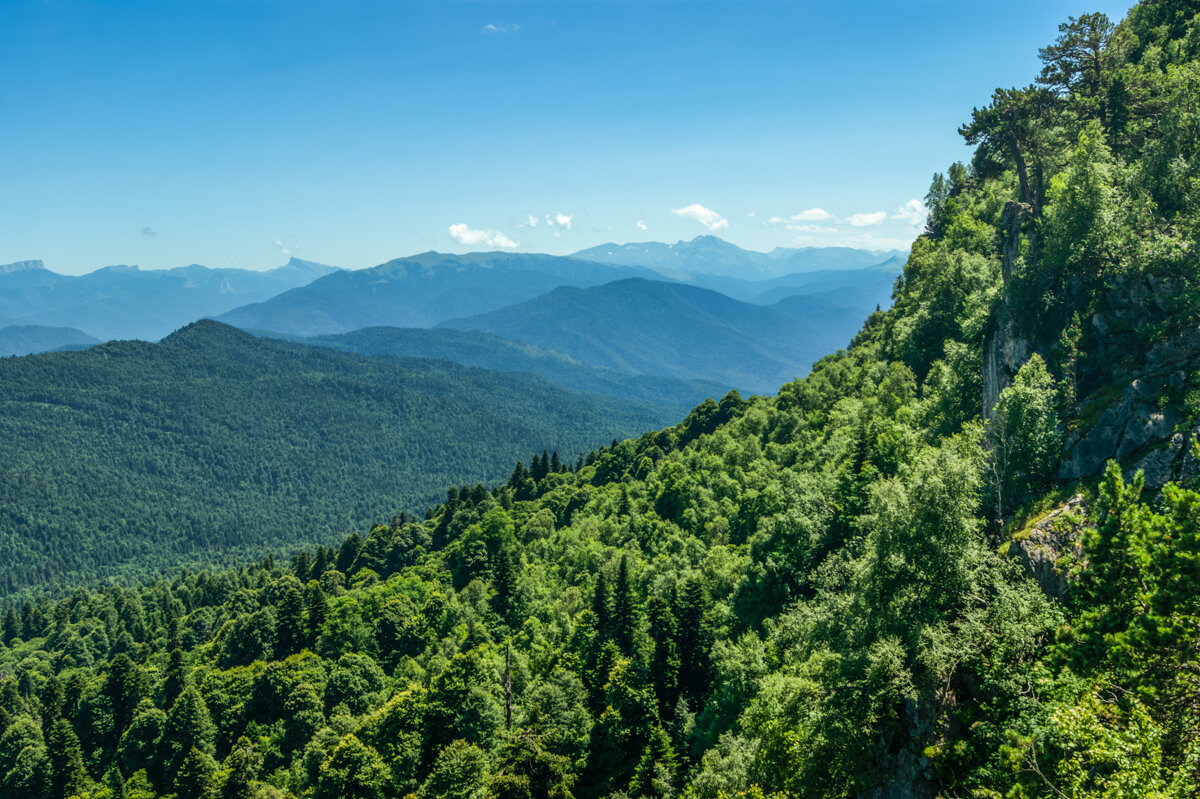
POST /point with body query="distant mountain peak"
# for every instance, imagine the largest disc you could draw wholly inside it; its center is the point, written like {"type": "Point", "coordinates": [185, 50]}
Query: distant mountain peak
{"type": "Point", "coordinates": [22, 266]}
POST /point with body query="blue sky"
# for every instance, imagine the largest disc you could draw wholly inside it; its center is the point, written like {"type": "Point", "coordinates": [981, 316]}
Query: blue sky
{"type": "Point", "coordinates": [352, 132]}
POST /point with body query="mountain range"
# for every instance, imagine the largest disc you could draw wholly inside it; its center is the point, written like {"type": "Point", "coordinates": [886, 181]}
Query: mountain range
{"type": "Point", "coordinates": [123, 302]}
{"type": "Point", "coordinates": [653, 327]}
{"type": "Point", "coordinates": [422, 290]}
{"type": "Point", "coordinates": [711, 255]}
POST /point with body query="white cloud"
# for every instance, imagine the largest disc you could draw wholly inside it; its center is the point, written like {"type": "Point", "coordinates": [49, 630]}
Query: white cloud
{"type": "Point", "coordinates": [868, 219]}
{"type": "Point", "coordinates": [812, 215]}
{"type": "Point", "coordinates": [533, 222]}
{"type": "Point", "coordinates": [510, 27]}
{"type": "Point", "coordinates": [792, 224]}
{"type": "Point", "coordinates": [560, 219]}
{"type": "Point", "coordinates": [705, 216]}
{"type": "Point", "coordinates": [488, 238]}
{"type": "Point", "coordinates": [282, 249]}
{"type": "Point", "coordinates": [912, 212]}
{"type": "Point", "coordinates": [641, 225]}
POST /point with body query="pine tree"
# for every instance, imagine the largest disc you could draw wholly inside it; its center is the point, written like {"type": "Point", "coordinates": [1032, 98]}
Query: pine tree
{"type": "Point", "coordinates": [656, 770]}
{"type": "Point", "coordinates": [348, 552]}
{"type": "Point", "coordinates": [555, 464]}
{"type": "Point", "coordinates": [625, 611]}
{"type": "Point", "coordinates": [67, 774]}
{"type": "Point", "coordinates": [124, 688]}
{"type": "Point", "coordinates": [174, 679]}
{"type": "Point", "coordinates": [694, 642]}
{"type": "Point", "coordinates": [665, 667]}
{"type": "Point", "coordinates": [304, 714]}
{"type": "Point", "coordinates": [290, 627]}
{"type": "Point", "coordinates": [504, 581]}
{"type": "Point", "coordinates": [12, 626]}
{"type": "Point", "coordinates": [602, 608]}
{"type": "Point", "coordinates": [195, 778]}
{"type": "Point", "coordinates": [188, 727]}
{"type": "Point", "coordinates": [52, 701]}
{"type": "Point", "coordinates": [316, 606]}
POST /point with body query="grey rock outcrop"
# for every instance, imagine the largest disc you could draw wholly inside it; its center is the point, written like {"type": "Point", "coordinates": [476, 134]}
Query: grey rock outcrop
{"type": "Point", "coordinates": [1052, 546]}
{"type": "Point", "coordinates": [1129, 426]}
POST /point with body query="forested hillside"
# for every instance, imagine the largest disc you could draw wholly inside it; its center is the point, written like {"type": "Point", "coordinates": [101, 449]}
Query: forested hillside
{"type": "Point", "coordinates": [473, 348]}
{"type": "Point", "coordinates": [826, 593]}
{"type": "Point", "coordinates": [214, 447]}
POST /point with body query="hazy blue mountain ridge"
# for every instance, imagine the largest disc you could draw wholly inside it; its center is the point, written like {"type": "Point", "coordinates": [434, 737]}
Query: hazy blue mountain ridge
{"type": "Point", "coordinates": [32, 339]}
{"type": "Point", "coordinates": [125, 302]}
{"type": "Point", "coordinates": [654, 327]}
{"type": "Point", "coordinates": [421, 291]}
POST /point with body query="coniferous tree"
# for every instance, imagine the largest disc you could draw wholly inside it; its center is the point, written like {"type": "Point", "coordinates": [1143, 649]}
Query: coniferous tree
{"type": "Point", "coordinates": [695, 642]}
{"type": "Point", "coordinates": [174, 679]}
{"type": "Point", "coordinates": [52, 701]}
{"type": "Point", "coordinates": [290, 635]}
{"type": "Point", "coordinates": [625, 611]}
{"type": "Point", "coordinates": [316, 606]}
{"type": "Point", "coordinates": [124, 689]}
{"type": "Point", "coordinates": [348, 552]}
{"type": "Point", "coordinates": [188, 727]}
{"type": "Point", "coordinates": [664, 629]}
{"type": "Point", "coordinates": [602, 608]}
{"type": "Point", "coordinates": [67, 774]}
{"type": "Point", "coordinates": [196, 776]}
{"type": "Point", "coordinates": [304, 714]}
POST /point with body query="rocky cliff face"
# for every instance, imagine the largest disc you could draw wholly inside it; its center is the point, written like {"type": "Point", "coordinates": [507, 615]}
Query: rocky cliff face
{"type": "Point", "coordinates": [1004, 350]}
{"type": "Point", "coordinates": [1130, 405]}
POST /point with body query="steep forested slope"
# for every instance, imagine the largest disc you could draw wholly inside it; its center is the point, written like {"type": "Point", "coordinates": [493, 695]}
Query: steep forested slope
{"type": "Point", "coordinates": [216, 447]}
{"type": "Point", "coordinates": [652, 327]}
{"type": "Point", "coordinates": [827, 593]}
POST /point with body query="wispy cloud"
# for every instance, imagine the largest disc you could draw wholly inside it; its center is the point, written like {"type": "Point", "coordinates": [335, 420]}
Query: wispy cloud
{"type": "Point", "coordinates": [705, 216]}
{"type": "Point", "coordinates": [279, 245]}
{"type": "Point", "coordinates": [560, 219]}
{"type": "Point", "coordinates": [470, 237]}
{"type": "Point", "coordinates": [812, 215]}
{"type": "Point", "coordinates": [505, 27]}
{"type": "Point", "coordinates": [641, 225]}
{"type": "Point", "coordinates": [149, 231]}
{"type": "Point", "coordinates": [868, 219]}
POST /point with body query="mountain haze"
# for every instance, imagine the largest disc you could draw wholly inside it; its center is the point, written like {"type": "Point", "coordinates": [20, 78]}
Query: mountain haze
{"type": "Point", "coordinates": [473, 348]}
{"type": "Point", "coordinates": [420, 291]}
{"type": "Point", "coordinates": [652, 327]}
{"type": "Point", "coordinates": [125, 302]}
{"type": "Point", "coordinates": [711, 255]}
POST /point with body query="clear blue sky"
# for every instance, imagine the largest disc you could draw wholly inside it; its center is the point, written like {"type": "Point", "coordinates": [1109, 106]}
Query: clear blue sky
{"type": "Point", "coordinates": [351, 132]}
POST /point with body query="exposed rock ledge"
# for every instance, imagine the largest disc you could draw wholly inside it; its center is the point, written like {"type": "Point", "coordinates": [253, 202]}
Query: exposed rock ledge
{"type": "Point", "coordinates": [1049, 549]}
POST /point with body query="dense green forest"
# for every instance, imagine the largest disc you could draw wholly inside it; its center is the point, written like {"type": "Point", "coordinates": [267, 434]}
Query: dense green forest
{"type": "Point", "coordinates": [217, 448]}
{"type": "Point", "coordinates": [826, 593]}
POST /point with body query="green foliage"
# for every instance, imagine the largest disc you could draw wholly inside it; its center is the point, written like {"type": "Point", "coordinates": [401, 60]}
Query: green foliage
{"type": "Point", "coordinates": [789, 596]}
{"type": "Point", "coordinates": [230, 448]}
